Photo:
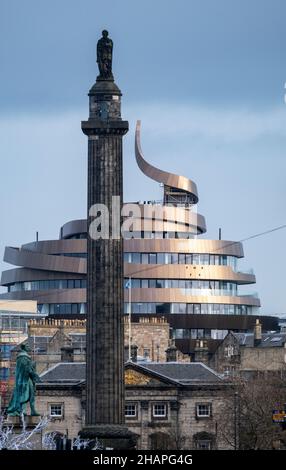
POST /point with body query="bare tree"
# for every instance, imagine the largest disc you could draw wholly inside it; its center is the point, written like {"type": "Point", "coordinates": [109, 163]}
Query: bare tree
{"type": "Point", "coordinates": [19, 441]}
{"type": "Point", "coordinates": [177, 438]}
{"type": "Point", "coordinates": [245, 420]}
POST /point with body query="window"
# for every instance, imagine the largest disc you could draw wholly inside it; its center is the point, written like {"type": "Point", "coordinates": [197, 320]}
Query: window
{"type": "Point", "coordinates": [224, 260]}
{"type": "Point", "coordinates": [189, 259]}
{"type": "Point", "coordinates": [190, 308]}
{"type": "Point", "coordinates": [161, 258]}
{"type": "Point", "coordinates": [127, 257]}
{"type": "Point", "coordinates": [204, 259]}
{"type": "Point", "coordinates": [135, 283]}
{"type": "Point", "coordinates": [56, 410]}
{"type": "Point", "coordinates": [197, 309]}
{"type": "Point", "coordinates": [203, 444]}
{"type": "Point", "coordinates": [131, 410]}
{"type": "Point", "coordinates": [174, 258]}
{"type": "Point", "coordinates": [204, 308]}
{"type": "Point", "coordinates": [178, 333]}
{"type": "Point", "coordinates": [229, 370]}
{"type": "Point", "coordinates": [196, 259]}
{"type": "Point", "coordinates": [203, 410]}
{"type": "Point", "coordinates": [178, 308]}
{"type": "Point", "coordinates": [146, 353]}
{"type": "Point", "coordinates": [160, 410]}
{"type": "Point", "coordinates": [229, 350]}
{"type": "Point", "coordinates": [136, 258]}
{"type": "Point", "coordinates": [168, 258]}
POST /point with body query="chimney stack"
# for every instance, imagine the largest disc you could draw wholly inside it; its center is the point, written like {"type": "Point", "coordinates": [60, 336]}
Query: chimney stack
{"type": "Point", "coordinates": [134, 349]}
{"type": "Point", "coordinates": [171, 353]}
{"type": "Point", "coordinates": [67, 354]}
{"type": "Point", "coordinates": [201, 351]}
{"type": "Point", "coordinates": [257, 333]}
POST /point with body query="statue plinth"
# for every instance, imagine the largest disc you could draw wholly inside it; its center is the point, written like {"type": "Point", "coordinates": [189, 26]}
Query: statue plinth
{"type": "Point", "coordinates": [30, 421]}
{"type": "Point", "coordinates": [105, 86]}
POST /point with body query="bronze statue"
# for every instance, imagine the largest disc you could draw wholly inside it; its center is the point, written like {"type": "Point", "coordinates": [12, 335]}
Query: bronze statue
{"type": "Point", "coordinates": [25, 384]}
{"type": "Point", "coordinates": [104, 56]}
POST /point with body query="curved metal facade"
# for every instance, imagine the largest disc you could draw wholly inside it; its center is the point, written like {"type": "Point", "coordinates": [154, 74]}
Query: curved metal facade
{"type": "Point", "coordinates": [172, 273]}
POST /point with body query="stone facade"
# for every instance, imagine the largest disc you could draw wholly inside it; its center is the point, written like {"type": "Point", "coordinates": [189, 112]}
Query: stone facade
{"type": "Point", "coordinates": [50, 326]}
{"type": "Point", "coordinates": [163, 413]}
{"type": "Point", "coordinates": [266, 359]}
{"type": "Point", "coordinates": [181, 426]}
{"type": "Point", "coordinates": [69, 399]}
{"type": "Point", "coordinates": [149, 334]}
{"type": "Point", "coordinates": [242, 354]}
{"type": "Point", "coordinates": [227, 358]}
{"type": "Point", "coordinates": [59, 335]}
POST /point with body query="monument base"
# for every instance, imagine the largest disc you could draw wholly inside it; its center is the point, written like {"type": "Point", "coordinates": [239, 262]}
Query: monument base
{"type": "Point", "coordinates": [35, 439]}
{"type": "Point", "coordinates": [30, 421]}
{"type": "Point", "coordinates": [109, 437]}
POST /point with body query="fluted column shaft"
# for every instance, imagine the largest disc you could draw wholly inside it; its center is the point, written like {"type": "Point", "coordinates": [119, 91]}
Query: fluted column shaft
{"type": "Point", "coordinates": [105, 381]}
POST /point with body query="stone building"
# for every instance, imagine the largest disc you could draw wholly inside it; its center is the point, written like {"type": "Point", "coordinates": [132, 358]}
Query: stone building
{"type": "Point", "coordinates": [247, 354]}
{"type": "Point", "coordinates": [150, 335]}
{"type": "Point", "coordinates": [52, 341]}
{"type": "Point", "coordinates": [168, 405]}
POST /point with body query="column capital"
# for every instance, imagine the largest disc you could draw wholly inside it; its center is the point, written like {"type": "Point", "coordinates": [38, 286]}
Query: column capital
{"type": "Point", "coordinates": [99, 127]}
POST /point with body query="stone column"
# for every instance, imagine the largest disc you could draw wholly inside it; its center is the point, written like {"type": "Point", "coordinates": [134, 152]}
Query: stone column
{"type": "Point", "coordinates": [105, 307]}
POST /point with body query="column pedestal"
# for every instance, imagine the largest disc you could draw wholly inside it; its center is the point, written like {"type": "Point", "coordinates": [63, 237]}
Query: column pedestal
{"type": "Point", "coordinates": [112, 437]}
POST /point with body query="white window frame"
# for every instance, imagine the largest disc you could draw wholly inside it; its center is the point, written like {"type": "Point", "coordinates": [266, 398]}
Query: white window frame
{"type": "Point", "coordinates": [59, 405]}
{"type": "Point", "coordinates": [135, 410]}
{"type": "Point", "coordinates": [159, 415]}
{"type": "Point", "coordinates": [206, 405]}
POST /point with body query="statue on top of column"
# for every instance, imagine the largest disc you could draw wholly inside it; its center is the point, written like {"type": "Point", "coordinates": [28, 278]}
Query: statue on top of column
{"type": "Point", "coordinates": [104, 56]}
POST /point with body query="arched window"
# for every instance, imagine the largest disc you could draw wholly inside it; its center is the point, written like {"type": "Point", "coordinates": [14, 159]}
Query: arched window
{"type": "Point", "coordinates": [204, 441]}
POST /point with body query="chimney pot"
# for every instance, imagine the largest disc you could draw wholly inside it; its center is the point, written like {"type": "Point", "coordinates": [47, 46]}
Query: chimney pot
{"type": "Point", "coordinates": [257, 333]}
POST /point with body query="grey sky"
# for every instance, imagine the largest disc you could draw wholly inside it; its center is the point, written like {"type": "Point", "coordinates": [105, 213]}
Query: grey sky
{"type": "Point", "coordinates": [205, 77]}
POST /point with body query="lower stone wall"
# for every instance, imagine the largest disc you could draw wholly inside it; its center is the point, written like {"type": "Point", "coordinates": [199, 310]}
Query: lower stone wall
{"type": "Point", "coordinates": [177, 430]}
{"type": "Point", "coordinates": [72, 419]}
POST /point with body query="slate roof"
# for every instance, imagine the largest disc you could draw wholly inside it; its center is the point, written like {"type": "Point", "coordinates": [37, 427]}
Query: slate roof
{"type": "Point", "coordinates": [65, 372]}
{"type": "Point", "coordinates": [191, 372]}
{"type": "Point", "coordinates": [181, 373]}
{"type": "Point", "coordinates": [268, 340]}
